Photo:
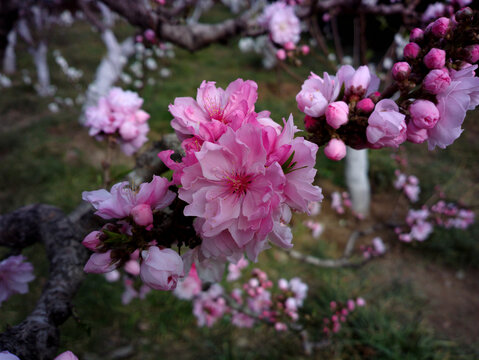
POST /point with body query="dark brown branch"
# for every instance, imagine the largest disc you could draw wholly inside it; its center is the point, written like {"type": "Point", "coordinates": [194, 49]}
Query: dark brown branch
{"type": "Point", "coordinates": [37, 337]}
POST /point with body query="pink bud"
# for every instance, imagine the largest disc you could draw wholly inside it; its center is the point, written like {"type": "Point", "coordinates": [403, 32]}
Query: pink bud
{"type": "Point", "coordinates": [99, 263]}
{"type": "Point", "coordinates": [424, 114]}
{"type": "Point", "coordinates": [132, 267]}
{"type": "Point", "coordinates": [129, 131]}
{"type": "Point", "coordinates": [150, 35]}
{"type": "Point", "coordinates": [411, 50]}
{"type": "Point", "coordinates": [416, 35]}
{"type": "Point", "coordinates": [332, 305]}
{"type": "Point", "coordinates": [142, 214]}
{"type": "Point", "coordinates": [335, 150]}
{"type": "Point", "coordinates": [401, 71]}
{"type": "Point", "coordinates": [435, 58]}
{"type": "Point", "coordinates": [440, 27]}
{"type": "Point", "coordinates": [92, 240]}
{"type": "Point", "coordinates": [289, 46]}
{"type": "Point", "coordinates": [281, 54]}
{"type": "Point", "coordinates": [437, 81]}
{"type": "Point", "coordinates": [305, 49]}
{"type": "Point", "coordinates": [351, 305]}
{"type": "Point", "coordinates": [279, 326]}
{"type": "Point", "coordinates": [472, 53]}
{"type": "Point", "coordinates": [365, 105]}
{"type": "Point", "coordinates": [161, 268]}
{"type": "Point", "coordinates": [415, 134]}
{"type": "Point", "coordinates": [337, 114]}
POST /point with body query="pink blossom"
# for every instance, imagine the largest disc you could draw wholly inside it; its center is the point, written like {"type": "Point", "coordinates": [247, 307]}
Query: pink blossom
{"type": "Point", "coordinates": [314, 207]}
{"type": "Point", "coordinates": [421, 230]}
{"type": "Point", "coordinates": [412, 192]}
{"type": "Point", "coordinates": [433, 11]}
{"type": "Point", "coordinates": [317, 93]}
{"type": "Point", "coordinates": [150, 35]}
{"type": "Point", "coordinates": [15, 274]}
{"type": "Point", "coordinates": [316, 227]}
{"type": "Point", "coordinates": [335, 150]}
{"type": "Point", "coordinates": [100, 263]}
{"type": "Point", "coordinates": [337, 114]}
{"type": "Point", "coordinates": [242, 320]}
{"type": "Point", "coordinates": [461, 95]}
{"type": "Point", "coordinates": [437, 81]}
{"type": "Point", "coordinates": [214, 109]}
{"type": "Point", "coordinates": [209, 306]}
{"type": "Point", "coordinates": [416, 135]}
{"type": "Point", "coordinates": [234, 270]}
{"type": "Point", "coordinates": [279, 326]}
{"type": "Point", "coordinates": [386, 125]}
{"type": "Point", "coordinates": [285, 26]}
{"type": "Point", "coordinates": [424, 114]}
{"type": "Point", "coordinates": [190, 286]}
{"type": "Point", "coordinates": [435, 59]}
{"type": "Point", "coordinates": [122, 199]}
{"type": "Point", "coordinates": [67, 355]}
{"type": "Point", "coordinates": [289, 46]}
{"type": "Point", "coordinates": [299, 289]}
{"type": "Point", "coordinates": [5, 355]}
{"type": "Point", "coordinates": [132, 267]}
{"type": "Point", "coordinates": [411, 50]}
{"type": "Point", "coordinates": [305, 49]}
{"type": "Point", "coordinates": [161, 268]}
{"type": "Point", "coordinates": [360, 302]}
{"type": "Point", "coordinates": [358, 82]}
{"type": "Point", "coordinates": [351, 304]}
{"type": "Point", "coordinates": [379, 246]}
{"type": "Point", "coordinates": [112, 276]}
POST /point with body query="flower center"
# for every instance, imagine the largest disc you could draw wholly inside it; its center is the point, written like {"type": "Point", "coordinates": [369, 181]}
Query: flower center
{"type": "Point", "coordinates": [239, 182]}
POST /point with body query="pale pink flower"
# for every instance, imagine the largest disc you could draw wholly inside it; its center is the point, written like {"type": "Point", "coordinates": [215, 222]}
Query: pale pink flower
{"type": "Point", "coordinates": [209, 306]}
{"type": "Point", "coordinates": [386, 125]}
{"type": "Point", "coordinates": [234, 270]}
{"type": "Point", "coordinates": [284, 26]}
{"type": "Point", "coordinates": [5, 355]}
{"type": "Point", "coordinates": [360, 302]}
{"type": "Point", "coordinates": [161, 268]}
{"type": "Point", "coordinates": [358, 82]}
{"type": "Point", "coordinates": [379, 246]}
{"type": "Point", "coordinates": [242, 320]}
{"type": "Point", "coordinates": [122, 199]}
{"type": "Point", "coordinates": [15, 274]}
{"type": "Point", "coordinates": [317, 93]}
{"type": "Point", "coordinates": [461, 95]}
{"type": "Point", "coordinates": [433, 11]}
{"type": "Point", "coordinates": [299, 289]}
{"type": "Point", "coordinates": [67, 355]}
{"type": "Point", "coordinates": [421, 230]}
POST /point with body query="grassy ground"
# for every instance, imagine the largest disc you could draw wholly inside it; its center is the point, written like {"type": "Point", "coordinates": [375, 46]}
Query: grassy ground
{"type": "Point", "coordinates": [422, 299]}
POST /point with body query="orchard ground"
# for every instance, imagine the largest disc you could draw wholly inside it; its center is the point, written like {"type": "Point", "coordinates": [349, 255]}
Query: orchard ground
{"type": "Point", "coordinates": [422, 299]}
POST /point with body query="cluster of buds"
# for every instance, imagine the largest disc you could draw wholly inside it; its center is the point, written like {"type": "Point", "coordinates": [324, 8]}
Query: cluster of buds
{"type": "Point", "coordinates": [437, 78]}
{"type": "Point", "coordinates": [340, 311]}
{"type": "Point", "coordinates": [439, 69]}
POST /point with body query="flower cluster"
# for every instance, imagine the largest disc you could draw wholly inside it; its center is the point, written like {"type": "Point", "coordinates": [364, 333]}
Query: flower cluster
{"type": "Point", "coordinates": [341, 312]}
{"type": "Point", "coordinates": [446, 215]}
{"type": "Point", "coordinates": [134, 236]}
{"type": "Point", "coordinates": [283, 24]}
{"type": "Point", "coordinates": [437, 78]}
{"type": "Point", "coordinates": [254, 301]}
{"type": "Point", "coordinates": [15, 274]}
{"type": "Point", "coordinates": [119, 115]}
{"type": "Point", "coordinates": [408, 184]}
{"type": "Point", "coordinates": [242, 173]}
{"type": "Point", "coordinates": [340, 201]}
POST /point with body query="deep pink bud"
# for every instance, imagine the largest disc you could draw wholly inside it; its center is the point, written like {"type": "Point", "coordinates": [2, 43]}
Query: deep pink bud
{"type": "Point", "coordinates": [440, 27]}
{"type": "Point", "coordinates": [337, 114]}
{"type": "Point", "coordinates": [401, 71]}
{"type": "Point", "coordinates": [416, 35]}
{"type": "Point", "coordinates": [472, 53]}
{"type": "Point", "coordinates": [92, 240]}
{"type": "Point", "coordinates": [305, 49]}
{"type": "Point", "coordinates": [415, 134]}
{"type": "Point", "coordinates": [335, 150]}
{"type": "Point", "coordinates": [437, 81]}
{"type": "Point", "coordinates": [351, 304]}
{"type": "Point", "coordinates": [365, 105]}
{"type": "Point", "coordinates": [424, 114]}
{"type": "Point", "coordinates": [435, 58]}
{"type": "Point", "coordinates": [281, 54]}
{"type": "Point", "coordinates": [289, 46]}
{"type": "Point", "coordinates": [411, 50]}
{"type": "Point", "coordinates": [142, 214]}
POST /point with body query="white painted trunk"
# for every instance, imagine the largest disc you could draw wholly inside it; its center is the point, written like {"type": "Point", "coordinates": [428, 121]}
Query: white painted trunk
{"type": "Point", "coordinates": [109, 69]}
{"type": "Point", "coordinates": [43, 72]}
{"type": "Point", "coordinates": [357, 180]}
{"type": "Point", "coordinates": [10, 59]}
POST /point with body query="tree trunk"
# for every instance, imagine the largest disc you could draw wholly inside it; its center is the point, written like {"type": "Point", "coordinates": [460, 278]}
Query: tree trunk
{"type": "Point", "coordinates": [357, 180]}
